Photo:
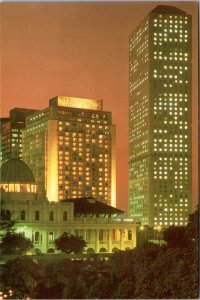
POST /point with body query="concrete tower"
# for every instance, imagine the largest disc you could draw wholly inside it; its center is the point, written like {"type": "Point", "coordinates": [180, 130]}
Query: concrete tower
{"type": "Point", "coordinates": [160, 117]}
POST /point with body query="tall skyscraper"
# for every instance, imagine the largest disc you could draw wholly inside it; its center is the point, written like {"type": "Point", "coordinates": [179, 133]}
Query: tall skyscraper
{"type": "Point", "coordinates": [160, 117]}
{"type": "Point", "coordinates": [11, 133]}
{"type": "Point", "coordinates": [70, 146]}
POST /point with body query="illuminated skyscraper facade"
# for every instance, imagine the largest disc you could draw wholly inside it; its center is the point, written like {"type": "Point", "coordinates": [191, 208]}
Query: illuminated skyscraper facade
{"type": "Point", "coordinates": [11, 133]}
{"type": "Point", "coordinates": [70, 147]}
{"type": "Point", "coordinates": [160, 117]}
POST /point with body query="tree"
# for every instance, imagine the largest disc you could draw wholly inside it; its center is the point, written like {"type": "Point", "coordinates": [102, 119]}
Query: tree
{"type": "Point", "coordinates": [192, 228]}
{"type": "Point", "coordinates": [175, 237]}
{"type": "Point", "coordinates": [15, 243]}
{"type": "Point", "coordinates": [5, 220]}
{"type": "Point", "coordinates": [69, 243]}
{"type": "Point", "coordinates": [62, 280]}
{"type": "Point", "coordinates": [20, 275]}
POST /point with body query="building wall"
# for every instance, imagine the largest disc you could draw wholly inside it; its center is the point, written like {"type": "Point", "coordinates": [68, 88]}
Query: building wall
{"type": "Point", "coordinates": [11, 133]}
{"type": "Point", "coordinates": [102, 233]}
{"type": "Point", "coordinates": [73, 149]}
{"type": "Point", "coordinates": [139, 121]}
{"type": "Point", "coordinates": [160, 120]}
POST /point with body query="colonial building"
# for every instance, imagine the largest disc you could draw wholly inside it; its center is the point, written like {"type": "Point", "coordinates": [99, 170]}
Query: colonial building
{"type": "Point", "coordinates": [103, 227]}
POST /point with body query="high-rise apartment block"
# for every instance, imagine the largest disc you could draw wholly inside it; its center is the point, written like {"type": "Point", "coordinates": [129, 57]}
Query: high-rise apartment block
{"type": "Point", "coordinates": [70, 147]}
{"type": "Point", "coordinates": [160, 117]}
{"type": "Point", "coordinates": [11, 133]}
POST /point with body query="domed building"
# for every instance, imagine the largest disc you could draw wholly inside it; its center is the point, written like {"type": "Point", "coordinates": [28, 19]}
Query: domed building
{"type": "Point", "coordinates": [17, 180]}
{"type": "Point", "coordinates": [103, 227]}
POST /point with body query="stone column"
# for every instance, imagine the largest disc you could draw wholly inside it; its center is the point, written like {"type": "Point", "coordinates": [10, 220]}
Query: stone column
{"type": "Point", "coordinates": [110, 240]}
{"type": "Point", "coordinates": [45, 241]}
{"type": "Point", "coordinates": [97, 240]}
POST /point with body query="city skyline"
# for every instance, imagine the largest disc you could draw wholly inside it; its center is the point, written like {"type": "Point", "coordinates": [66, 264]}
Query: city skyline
{"type": "Point", "coordinates": [46, 58]}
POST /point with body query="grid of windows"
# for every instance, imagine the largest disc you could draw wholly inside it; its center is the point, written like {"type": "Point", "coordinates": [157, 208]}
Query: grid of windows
{"type": "Point", "coordinates": [160, 120]}
{"type": "Point", "coordinates": [84, 160]}
{"type": "Point", "coordinates": [83, 143]}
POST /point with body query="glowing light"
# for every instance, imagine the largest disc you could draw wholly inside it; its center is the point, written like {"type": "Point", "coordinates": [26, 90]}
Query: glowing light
{"type": "Point", "coordinates": [52, 162]}
{"type": "Point", "coordinates": [113, 180]}
{"type": "Point", "coordinates": [76, 103]}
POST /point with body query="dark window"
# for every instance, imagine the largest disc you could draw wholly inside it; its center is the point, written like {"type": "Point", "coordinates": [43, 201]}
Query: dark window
{"type": "Point", "coordinates": [37, 215]}
{"type": "Point", "coordinates": [51, 217]}
{"type": "Point", "coordinates": [101, 235]}
{"type": "Point", "coordinates": [37, 236]}
{"type": "Point", "coordinates": [130, 235]}
{"type": "Point", "coordinates": [23, 215]}
{"type": "Point", "coordinates": [64, 216]}
{"type": "Point", "coordinates": [7, 215]}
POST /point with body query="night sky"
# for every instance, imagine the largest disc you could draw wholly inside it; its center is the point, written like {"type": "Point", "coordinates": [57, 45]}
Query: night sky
{"type": "Point", "coordinates": [80, 50]}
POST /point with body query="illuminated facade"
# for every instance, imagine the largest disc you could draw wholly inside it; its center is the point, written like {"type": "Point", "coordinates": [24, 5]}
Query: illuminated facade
{"type": "Point", "coordinates": [103, 227]}
{"type": "Point", "coordinates": [160, 117]}
{"type": "Point", "coordinates": [11, 133]}
{"type": "Point", "coordinates": [70, 146]}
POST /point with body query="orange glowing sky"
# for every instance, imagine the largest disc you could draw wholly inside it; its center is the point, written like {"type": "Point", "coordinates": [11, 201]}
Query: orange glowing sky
{"type": "Point", "coordinates": [80, 50]}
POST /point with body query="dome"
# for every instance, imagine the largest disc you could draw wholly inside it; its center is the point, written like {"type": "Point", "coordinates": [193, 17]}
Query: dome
{"type": "Point", "coordinates": [16, 171]}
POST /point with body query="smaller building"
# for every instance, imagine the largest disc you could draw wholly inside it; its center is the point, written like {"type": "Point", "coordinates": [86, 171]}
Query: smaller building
{"type": "Point", "coordinates": [11, 133]}
{"type": "Point", "coordinates": [103, 227]}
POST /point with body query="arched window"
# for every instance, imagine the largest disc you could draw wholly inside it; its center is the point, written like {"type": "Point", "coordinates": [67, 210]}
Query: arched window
{"type": "Point", "coordinates": [23, 215]}
{"type": "Point", "coordinates": [50, 250]}
{"type": "Point", "coordinates": [130, 234]}
{"type": "Point", "coordinates": [90, 250]}
{"type": "Point", "coordinates": [37, 236]}
{"type": "Point", "coordinates": [64, 216]}
{"type": "Point", "coordinates": [7, 214]}
{"type": "Point", "coordinates": [115, 249]}
{"type": "Point", "coordinates": [37, 215]}
{"type": "Point", "coordinates": [51, 216]}
{"type": "Point", "coordinates": [103, 250]}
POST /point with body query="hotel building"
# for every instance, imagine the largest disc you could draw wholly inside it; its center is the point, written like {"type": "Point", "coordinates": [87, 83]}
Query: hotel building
{"type": "Point", "coordinates": [70, 147]}
{"type": "Point", "coordinates": [160, 118]}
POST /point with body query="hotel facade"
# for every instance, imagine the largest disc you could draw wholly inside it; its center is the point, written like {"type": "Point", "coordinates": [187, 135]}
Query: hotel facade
{"type": "Point", "coordinates": [70, 147]}
{"type": "Point", "coordinates": [160, 118]}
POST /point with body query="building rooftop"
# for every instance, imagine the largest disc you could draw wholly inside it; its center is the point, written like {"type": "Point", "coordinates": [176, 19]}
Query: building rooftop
{"type": "Point", "coordinates": [92, 206]}
{"type": "Point", "coordinates": [15, 170]}
{"type": "Point", "coordinates": [73, 102]}
{"type": "Point", "coordinates": [168, 9]}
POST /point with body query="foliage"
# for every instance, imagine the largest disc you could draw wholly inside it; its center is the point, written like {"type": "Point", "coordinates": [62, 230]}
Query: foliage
{"type": "Point", "coordinates": [5, 220]}
{"type": "Point", "coordinates": [62, 280]}
{"type": "Point", "coordinates": [20, 274]}
{"type": "Point", "coordinates": [175, 237]}
{"type": "Point", "coordinates": [69, 243]}
{"type": "Point", "coordinates": [192, 228]}
{"type": "Point", "coordinates": [15, 243]}
{"type": "Point", "coordinates": [150, 271]}
{"type": "Point", "coordinates": [147, 272]}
